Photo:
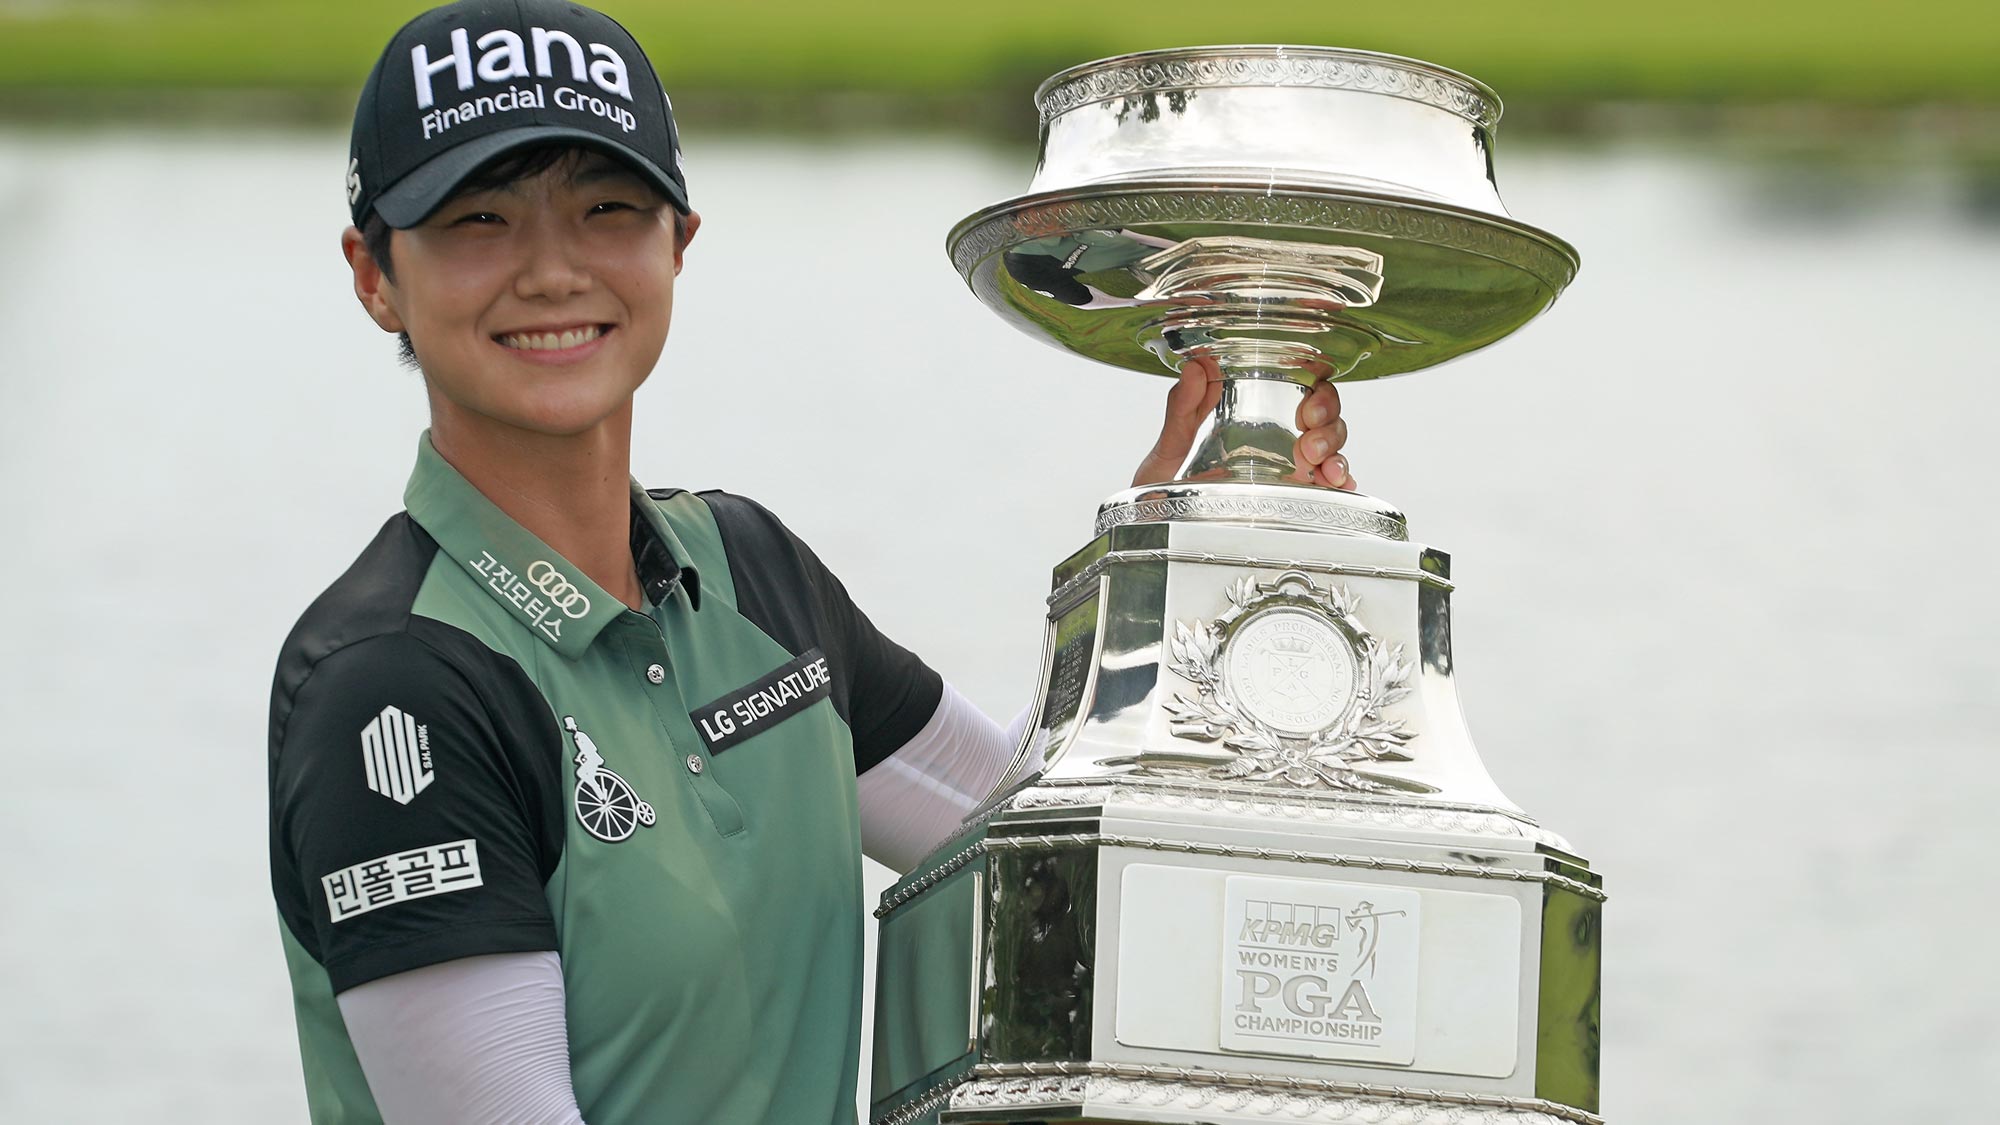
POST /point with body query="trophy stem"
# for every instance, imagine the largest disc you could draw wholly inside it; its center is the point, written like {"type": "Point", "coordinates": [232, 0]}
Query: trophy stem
{"type": "Point", "coordinates": [1253, 431]}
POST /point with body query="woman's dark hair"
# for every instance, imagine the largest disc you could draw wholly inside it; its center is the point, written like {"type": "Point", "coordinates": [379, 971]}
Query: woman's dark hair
{"type": "Point", "coordinates": [521, 164]}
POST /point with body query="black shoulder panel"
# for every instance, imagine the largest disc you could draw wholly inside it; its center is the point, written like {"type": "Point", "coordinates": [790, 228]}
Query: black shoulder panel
{"type": "Point", "coordinates": [774, 585]}
{"type": "Point", "coordinates": [358, 657]}
{"type": "Point", "coordinates": [373, 597]}
{"type": "Point", "coordinates": [883, 691]}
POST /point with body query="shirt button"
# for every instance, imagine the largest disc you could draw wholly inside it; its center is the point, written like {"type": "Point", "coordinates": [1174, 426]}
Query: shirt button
{"type": "Point", "coordinates": [656, 674]}
{"type": "Point", "coordinates": [694, 763]}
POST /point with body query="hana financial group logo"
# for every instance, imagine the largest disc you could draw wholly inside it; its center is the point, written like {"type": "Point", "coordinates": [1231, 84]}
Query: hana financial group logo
{"type": "Point", "coordinates": [503, 66]}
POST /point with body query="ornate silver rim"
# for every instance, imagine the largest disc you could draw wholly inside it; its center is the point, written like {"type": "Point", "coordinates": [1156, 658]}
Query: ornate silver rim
{"type": "Point", "coordinates": [912, 1111]}
{"type": "Point", "coordinates": [984, 233]}
{"type": "Point", "coordinates": [1333, 68]}
{"type": "Point", "coordinates": [1280, 510]}
{"type": "Point", "coordinates": [1359, 810]}
{"type": "Point", "coordinates": [1058, 1083]}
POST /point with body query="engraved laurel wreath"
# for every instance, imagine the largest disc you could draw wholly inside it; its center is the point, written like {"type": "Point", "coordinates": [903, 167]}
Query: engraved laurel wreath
{"type": "Point", "coordinates": [1327, 757]}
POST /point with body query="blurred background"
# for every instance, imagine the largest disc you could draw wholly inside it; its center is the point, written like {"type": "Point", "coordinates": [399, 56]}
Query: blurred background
{"type": "Point", "coordinates": [1721, 520]}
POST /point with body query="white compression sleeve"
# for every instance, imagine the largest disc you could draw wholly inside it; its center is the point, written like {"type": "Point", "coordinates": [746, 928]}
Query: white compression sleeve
{"type": "Point", "coordinates": [476, 1041]}
{"type": "Point", "coordinates": [912, 800]}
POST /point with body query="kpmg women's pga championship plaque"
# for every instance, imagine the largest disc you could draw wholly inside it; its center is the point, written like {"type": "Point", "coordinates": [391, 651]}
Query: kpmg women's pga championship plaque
{"type": "Point", "coordinates": [1259, 872]}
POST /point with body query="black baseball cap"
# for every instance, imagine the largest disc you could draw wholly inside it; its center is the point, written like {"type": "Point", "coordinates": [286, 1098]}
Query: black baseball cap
{"type": "Point", "coordinates": [468, 82]}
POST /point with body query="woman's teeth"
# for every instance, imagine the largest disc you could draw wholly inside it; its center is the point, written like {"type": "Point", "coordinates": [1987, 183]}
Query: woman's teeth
{"type": "Point", "coordinates": [551, 341]}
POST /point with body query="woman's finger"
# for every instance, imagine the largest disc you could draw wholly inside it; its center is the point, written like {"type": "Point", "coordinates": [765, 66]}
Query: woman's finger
{"type": "Point", "coordinates": [1189, 403]}
{"type": "Point", "coordinates": [1333, 472]}
{"type": "Point", "coordinates": [1319, 407]}
{"type": "Point", "coordinates": [1316, 445]}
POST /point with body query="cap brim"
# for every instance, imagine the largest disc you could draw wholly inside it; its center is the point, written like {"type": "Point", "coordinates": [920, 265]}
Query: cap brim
{"type": "Point", "coordinates": [411, 200]}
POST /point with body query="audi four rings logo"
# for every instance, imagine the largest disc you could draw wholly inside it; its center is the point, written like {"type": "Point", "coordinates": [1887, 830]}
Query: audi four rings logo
{"type": "Point", "coordinates": [560, 591]}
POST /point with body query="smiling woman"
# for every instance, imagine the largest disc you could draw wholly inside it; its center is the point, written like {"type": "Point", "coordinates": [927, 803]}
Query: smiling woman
{"type": "Point", "coordinates": [606, 200]}
{"type": "Point", "coordinates": [580, 248]}
{"type": "Point", "coordinates": [521, 164]}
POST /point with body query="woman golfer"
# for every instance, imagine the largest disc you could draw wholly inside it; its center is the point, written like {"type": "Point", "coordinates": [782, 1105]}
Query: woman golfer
{"type": "Point", "coordinates": [570, 780]}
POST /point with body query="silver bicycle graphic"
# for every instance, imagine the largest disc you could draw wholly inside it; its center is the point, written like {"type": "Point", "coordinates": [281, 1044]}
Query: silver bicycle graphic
{"type": "Point", "coordinates": [606, 804]}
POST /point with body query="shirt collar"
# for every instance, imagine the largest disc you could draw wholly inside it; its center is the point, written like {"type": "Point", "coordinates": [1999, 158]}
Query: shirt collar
{"type": "Point", "coordinates": [549, 595]}
{"type": "Point", "coordinates": [657, 553]}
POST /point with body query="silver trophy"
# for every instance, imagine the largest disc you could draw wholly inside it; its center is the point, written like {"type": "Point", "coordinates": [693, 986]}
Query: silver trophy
{"type": "Point", "coordinates": [1257, 872]}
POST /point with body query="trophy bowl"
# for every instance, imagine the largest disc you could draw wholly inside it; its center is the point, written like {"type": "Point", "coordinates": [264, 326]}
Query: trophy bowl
{"type": "Point", "coordinates": [1249, 866]}
{"type": "Point", "coordinates": [1292, 213]}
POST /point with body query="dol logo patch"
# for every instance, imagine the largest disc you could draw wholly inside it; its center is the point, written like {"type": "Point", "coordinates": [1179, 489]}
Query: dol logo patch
{"type": "Point", "coordinates": [764, 703]}
{"type": "Point", "coordinates": [396, 752]}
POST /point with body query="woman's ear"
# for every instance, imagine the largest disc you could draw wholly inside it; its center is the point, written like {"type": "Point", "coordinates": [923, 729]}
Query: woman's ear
{"type": "Point", "coordinates": [688, 224]}
{"type": "Point", "coordinates": [372, 287]}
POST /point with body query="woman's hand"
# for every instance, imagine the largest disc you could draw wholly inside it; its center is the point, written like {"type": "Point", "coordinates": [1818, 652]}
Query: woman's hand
{"type": "Point", "coordinates": [1322, 431]}
{"type": "Point", "coordinates": [1193, 397]}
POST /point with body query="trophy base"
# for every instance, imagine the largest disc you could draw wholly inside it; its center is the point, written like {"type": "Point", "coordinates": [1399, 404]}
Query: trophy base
{"type": "Point", "coordinates": [1260, 874]}
{"type": "Point", "coordinates": [1151, 951]}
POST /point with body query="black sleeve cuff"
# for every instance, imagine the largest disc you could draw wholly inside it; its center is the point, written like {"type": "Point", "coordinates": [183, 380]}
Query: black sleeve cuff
{"type": "Point", "coordinates": [525, 935]}
{"type": "Point", "coordinates": [923, 690]}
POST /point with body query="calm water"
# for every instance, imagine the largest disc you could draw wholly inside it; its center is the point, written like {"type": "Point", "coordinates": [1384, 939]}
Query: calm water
{"type": "Point", "coordinates": [1721, 524]}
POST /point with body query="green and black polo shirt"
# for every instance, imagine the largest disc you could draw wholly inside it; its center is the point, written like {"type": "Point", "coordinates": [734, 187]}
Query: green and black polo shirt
{"type": "Point", "coordinates": [475, 749]}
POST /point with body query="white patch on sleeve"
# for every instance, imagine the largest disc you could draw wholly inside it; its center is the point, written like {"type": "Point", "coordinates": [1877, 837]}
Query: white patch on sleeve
{"type": "Point", "coordinates": [396, 753]}
{"type": "Point", "coordinates": [400, 877]}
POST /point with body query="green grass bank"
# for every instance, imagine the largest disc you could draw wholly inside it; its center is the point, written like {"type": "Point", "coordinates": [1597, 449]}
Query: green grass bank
{"type": "Point", "coordinates": [1562, 51]}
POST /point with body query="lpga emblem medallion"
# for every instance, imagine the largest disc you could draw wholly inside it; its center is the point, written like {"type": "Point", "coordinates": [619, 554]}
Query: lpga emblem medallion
{"type": "Point", "coordinates": [1290, 682]}
{"type": "Point", "coordinates": [605, 803]}
{"type": "Point", "coordinates": [1291, 670]}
